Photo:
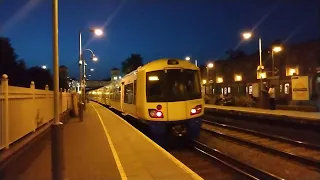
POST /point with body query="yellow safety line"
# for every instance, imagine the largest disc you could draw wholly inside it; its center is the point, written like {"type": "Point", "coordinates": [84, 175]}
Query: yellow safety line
{"type": "Point", "coordinates": [114, 152]}
{"type": "Point", "coordinates": [172, 158]}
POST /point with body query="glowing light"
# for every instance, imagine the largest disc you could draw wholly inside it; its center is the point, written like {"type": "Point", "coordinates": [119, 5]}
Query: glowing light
{"type": "Point", "coordinates": [44, 67]}
{"type": "Point", "coordinates": [237, 78]}
{"type": "Point", "coordinates": [193, 111]}
{"type": "Point", "coordinates": [95, 58]}
{"type": "Point", "coordinates": [204, 81]}
{"type": "Point", "coordinates": [159, 114]}
{"type": "Point", "coordinates": [188, 58]}
{"type": "Point", "coordinates": [153, 78]}
{"type": "Point", "coordinates": [247, 35]}
{"type": "Point", "coordinates": [210, 65]}
{"type": "Point", "coordinates": [277, 49]}
{"type": "Point", "coordinates": [219, 80]}
{"type": "Point", "coordinates": [292, 71]}
{"type": "Point", "coordinates": [98, 32]}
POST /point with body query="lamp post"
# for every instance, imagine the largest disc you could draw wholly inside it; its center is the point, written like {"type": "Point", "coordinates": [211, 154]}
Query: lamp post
{"type": "Point", "coordinates": [209, 66]}
{"type": "Point", "coordinates": [247, 36]}
{"type": "Point", "coordinates": [94, 58]}
{"type": "Point", "coordinates": [97, 32]}
{"type": "Point", "coordinates": [275, 49]}
{"type": "Point", "coordinates": [57, 156]}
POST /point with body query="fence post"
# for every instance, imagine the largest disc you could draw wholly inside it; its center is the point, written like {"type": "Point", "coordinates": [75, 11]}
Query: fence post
{"type": "Point", "coordinates": [32, 87]}
{"type": "Point", "coordinates": [5, 115]}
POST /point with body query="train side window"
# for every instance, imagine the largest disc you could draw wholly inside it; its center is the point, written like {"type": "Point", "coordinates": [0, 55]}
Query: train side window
{"type": "Point", "coordinates": [134, 91]}
{"type": "Point", "coordinates": [128, 93]}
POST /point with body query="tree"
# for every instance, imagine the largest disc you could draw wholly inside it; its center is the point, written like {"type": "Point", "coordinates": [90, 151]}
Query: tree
{"type": "Point", "coordinates": [9, 64]}
{"type": "Point", "coordinates": [131, 63]}
{"type": "Point", "coordinates": [41, 77]}
{"type": "Point", "coordinates": [232, 54]}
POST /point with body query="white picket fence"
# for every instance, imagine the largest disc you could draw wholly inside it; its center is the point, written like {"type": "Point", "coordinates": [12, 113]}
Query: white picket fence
{"type": "Point", "coordinates": [23, 110]}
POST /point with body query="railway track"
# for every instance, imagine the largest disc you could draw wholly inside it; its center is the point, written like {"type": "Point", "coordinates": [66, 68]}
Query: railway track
{"type": "Point", "coordinates": [205, 167]}
{"type": "Point", "coordinates": [242, 169]}
{"type": "Point", "coordinates": [302, 152]}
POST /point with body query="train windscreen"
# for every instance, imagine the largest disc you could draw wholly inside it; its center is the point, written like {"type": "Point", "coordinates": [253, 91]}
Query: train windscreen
{"type": "Point", "coordinates": [173, 85]}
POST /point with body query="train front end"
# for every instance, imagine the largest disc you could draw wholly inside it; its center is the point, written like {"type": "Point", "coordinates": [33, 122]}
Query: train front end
{"type": "Point", "coordinates": [174, 103]}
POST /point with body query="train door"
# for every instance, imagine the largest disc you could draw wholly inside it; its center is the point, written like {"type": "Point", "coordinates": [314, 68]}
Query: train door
{"type": "Point", "coordinates": [121, 95]}
{"type": "Point", "coordinates": [175, 86]}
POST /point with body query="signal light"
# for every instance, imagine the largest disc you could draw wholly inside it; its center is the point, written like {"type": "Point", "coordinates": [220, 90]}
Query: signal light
{"type": "Point", "coordinates": [196, 110]}
{"type": "Point", "coordinates": [159, 107]}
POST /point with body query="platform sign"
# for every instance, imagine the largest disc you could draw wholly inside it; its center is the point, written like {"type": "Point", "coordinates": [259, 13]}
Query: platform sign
{"type": "Point", "coordinates": [300, 88]}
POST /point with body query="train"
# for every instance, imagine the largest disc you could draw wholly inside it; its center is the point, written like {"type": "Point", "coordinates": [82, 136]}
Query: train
{"type": "Point", "coordinates": [165, 95]}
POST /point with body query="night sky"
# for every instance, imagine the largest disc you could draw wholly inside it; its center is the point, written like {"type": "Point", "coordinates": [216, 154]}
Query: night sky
{"type": "Point", "coordinates": [155, 29]}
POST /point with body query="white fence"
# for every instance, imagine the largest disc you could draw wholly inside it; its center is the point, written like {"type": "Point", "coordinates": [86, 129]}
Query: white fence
{"type": "Point", "coordinates": [23, 110]}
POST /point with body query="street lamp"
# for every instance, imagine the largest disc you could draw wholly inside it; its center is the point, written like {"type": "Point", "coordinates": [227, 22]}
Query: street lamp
{"type": "Point", "coordinates": [188, 58]}
{"type": "Point", "coordinates": [275, 49]}
{"type": "Point", "coordinates": [97, 32]}
{"type": "Point", "coordinates": [44, 67]}
{"type": "Point", "coordinates": [57, 161]}
{"type": "Point", "coordinates": [209, 66]}
{"type": "Point", "coordinates": [247, 36]}
{"type": "Point", "coordinates": [91, 69]}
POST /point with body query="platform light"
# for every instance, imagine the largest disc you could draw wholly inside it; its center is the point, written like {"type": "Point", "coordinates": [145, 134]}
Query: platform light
{"type": "Point", "coordinates": [153, 78]}
{"type": "Point", "coordinates": [277, 49]}
{"type": "Point", "coordinates": [98, 32]}
{"type": "Point", "coordinates": [210, 65]}
{"type": "Point", "coordinates": [246, 35]}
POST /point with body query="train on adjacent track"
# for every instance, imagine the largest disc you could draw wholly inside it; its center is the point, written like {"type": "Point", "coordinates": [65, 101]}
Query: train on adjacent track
{"type": "Point", "coordinates": [164, 94]}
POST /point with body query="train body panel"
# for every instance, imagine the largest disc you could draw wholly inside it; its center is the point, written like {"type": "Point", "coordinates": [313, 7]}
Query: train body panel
{"type": "Point", "coordinates": [164, 94]}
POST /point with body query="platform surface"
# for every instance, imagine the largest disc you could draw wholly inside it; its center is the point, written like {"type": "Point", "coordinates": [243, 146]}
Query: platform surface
{"type": "Point", "coordinates": [104, 146]}
{"type": "Point", "coordinates": [294, 114]}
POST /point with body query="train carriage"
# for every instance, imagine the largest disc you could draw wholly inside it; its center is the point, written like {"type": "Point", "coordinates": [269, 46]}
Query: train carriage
{"type": "Point", "coordinates": [164, 94]}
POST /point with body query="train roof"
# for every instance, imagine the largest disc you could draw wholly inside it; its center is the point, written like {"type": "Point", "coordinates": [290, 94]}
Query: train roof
{"type": "Point", "coordinates": [169, 62]}
{"type": "Point", "coordinates": [160, 63]}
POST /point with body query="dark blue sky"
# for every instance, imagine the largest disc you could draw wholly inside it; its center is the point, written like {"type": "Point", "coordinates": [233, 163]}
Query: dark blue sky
{"type": "Point", "coordinates": [202, 29]}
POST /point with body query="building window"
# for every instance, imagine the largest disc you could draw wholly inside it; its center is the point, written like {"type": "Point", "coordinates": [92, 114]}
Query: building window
{"type": "Point", "coordinates": [250, 89]}
{"type": "Point", "coordinates": [280, 87]}
{"type": "Point", "coordinates": [229, 89]}
{"type": "Point", "coordinates": [286, 88]}
{"type": "Point", "coordinates": [246, 89]}
{"type": "Point", "coordinates": [291, 71]}
{"type": "Point", "coordinates": [212, 91]}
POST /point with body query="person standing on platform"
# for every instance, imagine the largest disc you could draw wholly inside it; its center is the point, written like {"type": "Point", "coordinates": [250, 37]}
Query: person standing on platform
{"type": "Point", "coordinates": [272, 96]}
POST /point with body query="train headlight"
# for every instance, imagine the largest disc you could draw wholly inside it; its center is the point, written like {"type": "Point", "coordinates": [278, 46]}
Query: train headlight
{"type": "Point", "coordinates": [155, 113]}
{"type": "Point", "coordinates": [196, 110]}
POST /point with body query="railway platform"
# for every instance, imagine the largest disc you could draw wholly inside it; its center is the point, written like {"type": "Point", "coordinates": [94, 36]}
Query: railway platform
{"type": "Point", "coordinates": [104, 146]}
{"type": "Point", "coordinates": [285, 115]}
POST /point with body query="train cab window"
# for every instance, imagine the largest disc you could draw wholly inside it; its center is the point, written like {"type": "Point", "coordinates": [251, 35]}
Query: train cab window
{"type": "Point", "coordinates": [128, 93]}
{"type": "Point", "coordinates": [173, 85]}
{"type": "Point", "coordinates": [155, 86]}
